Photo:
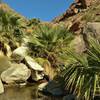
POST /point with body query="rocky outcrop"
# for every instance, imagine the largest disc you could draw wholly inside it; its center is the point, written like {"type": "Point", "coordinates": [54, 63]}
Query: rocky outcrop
{"type": "Point", "coordinates": [16, 74]}
{"type": "Point", "coordinates": [78, 44]}
{"type": "Point", "coordinates": [74, 9]}
{"type": "Point", "coordinates": [92, 28]}
{"type": "Point", "coordinates": [1, 87]}
{"type": "Point", "coordinates": [36, 69]}
{"type": "Point", "coordinates": [84, 3]}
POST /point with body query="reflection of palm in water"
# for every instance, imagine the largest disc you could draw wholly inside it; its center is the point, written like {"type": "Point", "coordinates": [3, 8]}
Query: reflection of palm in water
{"type": "Point", "coordinates": [24, 93]}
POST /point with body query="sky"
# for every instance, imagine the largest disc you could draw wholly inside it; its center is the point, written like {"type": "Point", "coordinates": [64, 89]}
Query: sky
{"type": "Point", "coordinates": [45, 10]}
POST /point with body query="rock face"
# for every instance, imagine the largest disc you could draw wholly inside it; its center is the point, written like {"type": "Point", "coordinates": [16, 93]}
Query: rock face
{"type": "Point", "coordinates": [78, 44]}
{"type": "Point", "coordinates": [92, 28]}
{"type": "Point", "coordinates": [1, 87]}
{"type": "Point", "coordinates": [84, 3]}
{"type": "Point", "coordinates": [36, 69]}
{"type": "Point", "coordinates": [19, 53]}
{"type": "Point", "coordinates": [16, 73]}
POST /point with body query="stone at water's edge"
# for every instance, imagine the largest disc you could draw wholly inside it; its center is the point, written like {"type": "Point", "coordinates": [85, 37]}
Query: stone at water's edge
{"type": "Point", "coordinates": [32, 64]}
{"type": "Point", "coordinates": [42, 86]}
{"type": "Point", "coordinates": [36, 69]}
{"type": "Point", "coordinates": [54, 88]}
{"type": "Point", "coordinates": [1, 87]}
{"type": "Point", "coordinates": [17, 73]}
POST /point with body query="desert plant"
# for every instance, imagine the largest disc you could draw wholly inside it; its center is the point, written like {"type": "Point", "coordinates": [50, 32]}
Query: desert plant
{"type": "Point", "coordinates": [10, 29]}
{"type": "Point", "coordinates": [47, 42]}
{"type": "Point", "coordinates": [82, 78]}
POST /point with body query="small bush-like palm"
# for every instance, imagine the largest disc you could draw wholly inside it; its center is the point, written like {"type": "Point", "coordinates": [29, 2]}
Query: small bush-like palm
{"type": "Point", "coordinates": [82, 78]}
{"type": "Point", "coordinates": [10, 27]}
{"type": "Point", "coordinates": [48, 42]}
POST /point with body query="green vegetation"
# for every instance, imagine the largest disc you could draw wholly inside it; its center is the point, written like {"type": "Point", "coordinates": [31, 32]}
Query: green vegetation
{"type": "Point", "coordinates": [48, 42]}
{"type": "Point", "coordinates": [82, 78]}
{"type": "Point", "coordinates": [49, 45]}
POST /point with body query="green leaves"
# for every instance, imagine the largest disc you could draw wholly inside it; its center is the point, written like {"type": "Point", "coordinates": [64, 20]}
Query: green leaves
{"type": "Point", "coordinates": [83, 77]}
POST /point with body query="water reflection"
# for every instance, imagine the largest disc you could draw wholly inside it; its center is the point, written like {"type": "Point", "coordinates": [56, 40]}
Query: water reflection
{"type": "Point", "coordinates": [24, 93]}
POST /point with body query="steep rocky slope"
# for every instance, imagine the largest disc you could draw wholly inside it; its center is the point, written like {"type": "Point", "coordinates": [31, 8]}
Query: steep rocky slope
{"type": "Point", "coordinates": [78, 20]}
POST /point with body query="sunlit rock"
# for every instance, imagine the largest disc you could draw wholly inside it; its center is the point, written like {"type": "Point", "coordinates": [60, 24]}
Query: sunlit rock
{"type": "Point", "coordinates": [36, 69]}
{"type": "Point", "coordinates": [42, 86]}
{"type": "Point", "coordinates": [19, 53]}
{"type": "Point", "coordinates": [16, 74]}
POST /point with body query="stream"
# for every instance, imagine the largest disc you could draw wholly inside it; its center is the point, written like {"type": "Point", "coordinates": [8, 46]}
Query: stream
{"type": "Point", "coordinates": [29, 92]}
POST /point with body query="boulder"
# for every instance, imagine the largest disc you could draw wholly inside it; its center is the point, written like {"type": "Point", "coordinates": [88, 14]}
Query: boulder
{"type": "Point", "coordinates": [78, 44]}
{"type": "Point", "coordinates": [19, 53]}
{"type": "Point", "coordinates": [1, 87]}
{"type": "Point", "coordinates": [92, 28]}
{"type": "Point", "coordinates": [18, 73]}
{"type": "Point", "coordinates": [36, 69]}
{"type": "Point", "coordinates": [55, 87]}
{"type": "Point", "coordinates": [32, 64]}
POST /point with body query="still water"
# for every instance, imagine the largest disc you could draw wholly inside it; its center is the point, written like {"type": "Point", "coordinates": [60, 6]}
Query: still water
{"type": "Point", "coordinates": [25, 93]}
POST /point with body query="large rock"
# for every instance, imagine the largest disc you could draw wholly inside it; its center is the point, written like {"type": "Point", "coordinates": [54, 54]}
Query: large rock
{"type": "Point", "coordinates": [36, 69]}
{"type": "Point", "coordinates": [92, 28]}
{"type": "Point", "coordinates": [17, 73]}
{"type": "Point", "coordinates": [32, 64]}
{"type": "Point", "coordinates": [54, 88]}
{"type": "Point", "coordinates": [84, 3]}
{"type": "Point", "coordinates": [1, 87]}
{"type": "Point", "coordinates": [78, 44]}
{"type": "Point", "coordinates": [19, 53]}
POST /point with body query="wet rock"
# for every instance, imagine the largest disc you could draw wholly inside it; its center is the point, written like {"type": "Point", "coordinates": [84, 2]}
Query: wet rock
{"type": "Point", "coordinates": [36, 69]}
{"type": "Point", "coordinates": [55, 87]}
{"type": "Point", "coordinates": [1, 87]}
{"type": "Point", "coordinates": [19, 53]}
{"type": "Point", "coordinates": [16, 74]}
{"type": "Point", "coordinates": [42, 86]}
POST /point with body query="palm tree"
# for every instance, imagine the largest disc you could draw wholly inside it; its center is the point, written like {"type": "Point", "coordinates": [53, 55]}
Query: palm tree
{"type": "Point", "coordinates": [82, 78]}
{"type": "Point", "coordinates": [47, 42]}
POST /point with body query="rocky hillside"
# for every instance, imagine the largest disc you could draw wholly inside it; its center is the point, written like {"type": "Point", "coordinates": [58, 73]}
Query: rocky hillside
{"type": "Point", "coordinates": [62, 53]}
{"type": "Point", "coordinates": [79, 13]}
